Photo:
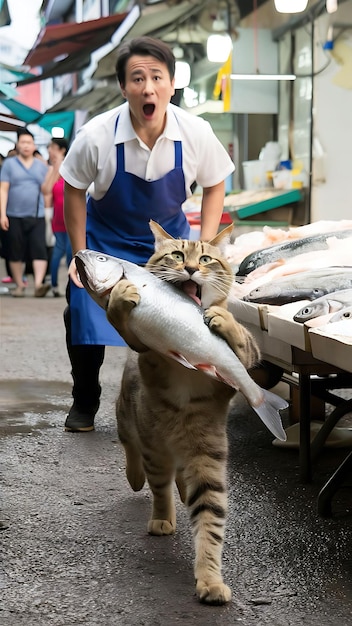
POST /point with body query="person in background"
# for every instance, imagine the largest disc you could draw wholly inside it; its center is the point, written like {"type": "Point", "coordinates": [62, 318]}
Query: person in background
{"type": "Point", "coordinates": [22, 214]}
{"type": "Point", "coordinates": [53, 186]}
{"type": "Point", "coordinates": [4, 235]}
{"type": "Point", "coordinates": [143, 158]}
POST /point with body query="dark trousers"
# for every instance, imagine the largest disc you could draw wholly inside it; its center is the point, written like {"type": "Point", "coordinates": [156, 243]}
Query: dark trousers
{"type": "Point", "coordinates": [86, 361]}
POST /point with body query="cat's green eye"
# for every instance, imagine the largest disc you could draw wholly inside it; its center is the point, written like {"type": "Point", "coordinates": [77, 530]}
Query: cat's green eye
{"type": "Point", "coordinates": [177, 256]}
{"type": "Point", "coordinates": [204, 259]}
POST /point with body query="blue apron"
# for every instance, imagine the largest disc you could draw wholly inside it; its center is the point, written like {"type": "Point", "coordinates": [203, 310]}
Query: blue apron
{"type": "Point", "coordinates": [118, 224]}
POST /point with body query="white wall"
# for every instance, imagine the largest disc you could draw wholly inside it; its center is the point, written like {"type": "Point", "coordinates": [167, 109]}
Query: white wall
{"type": "Point", "coordinates": [333, 127]}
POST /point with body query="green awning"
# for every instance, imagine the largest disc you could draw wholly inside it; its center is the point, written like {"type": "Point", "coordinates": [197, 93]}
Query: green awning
{"type": "Point", "coordinates": [5, 18]}
{"type": "Point", "coordinates": [63, 119]}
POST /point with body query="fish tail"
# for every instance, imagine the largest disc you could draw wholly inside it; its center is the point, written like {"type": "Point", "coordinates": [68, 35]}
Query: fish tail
{"type": "Point", "coordinates": [268, 411]}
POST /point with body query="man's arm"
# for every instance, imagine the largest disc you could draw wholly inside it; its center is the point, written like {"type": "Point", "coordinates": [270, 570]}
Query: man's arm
{"type": "Point", "coordinates": [75, 212]}
{"type": "Point", "coordinates": [212, 208]}
{"type": "Point", "coordinates": [4, 194]}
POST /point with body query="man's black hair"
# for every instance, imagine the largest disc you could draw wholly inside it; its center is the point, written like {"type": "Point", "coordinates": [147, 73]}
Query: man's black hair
{"type": "Point", "coordinates": [144, 46]}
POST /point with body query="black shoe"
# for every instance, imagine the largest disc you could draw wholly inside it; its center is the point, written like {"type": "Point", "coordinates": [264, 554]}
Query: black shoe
{"type": "Point", "coordinates": [81, 420]}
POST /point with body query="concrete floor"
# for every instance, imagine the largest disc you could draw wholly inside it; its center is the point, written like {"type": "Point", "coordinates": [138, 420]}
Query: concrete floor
{"type": "Point", "coordinates": [74, 543]}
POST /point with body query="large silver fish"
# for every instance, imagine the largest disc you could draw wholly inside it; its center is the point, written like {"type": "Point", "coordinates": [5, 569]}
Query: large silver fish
{"type": "Point", "coordinates": [288, 249]}
{"type": "Point", "coordinates": [308, 285]}
{"type": "Point", "coordinates": [172, 323]}
{"type": "Point", "coordinates": [331, 302]}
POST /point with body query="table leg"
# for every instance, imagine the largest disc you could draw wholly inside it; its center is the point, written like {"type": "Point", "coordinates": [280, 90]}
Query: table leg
{"type": "Point", "coordinates": [305, 465]}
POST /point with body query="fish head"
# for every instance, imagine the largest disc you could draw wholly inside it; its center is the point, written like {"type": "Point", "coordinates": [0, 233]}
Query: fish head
{"type": "Point", "coordinates": [264, 294]}
{"type": "Point", "coordinates": [99, 273]}
{"type": "Point", "coordinates": [310, 311]}
{"type": "Point", "coordinates": [343, 314]}
{"type": "Point", "coordinates": [250, 263]}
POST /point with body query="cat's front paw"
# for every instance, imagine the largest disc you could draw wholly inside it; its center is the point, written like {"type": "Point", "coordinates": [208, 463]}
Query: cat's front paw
{"type": "Point", "coordinates": [219, 320]}
{"type": "Point", "coordinates": [123, 298]}
{"type": "Point", "coordinates": [213, 593]}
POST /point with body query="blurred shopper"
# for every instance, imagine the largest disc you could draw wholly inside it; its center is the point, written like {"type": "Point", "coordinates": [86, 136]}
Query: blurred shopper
{"type": "Point", "coordinates": [53, 187]}
{"type": "Point", "coordinates": [22, 214]}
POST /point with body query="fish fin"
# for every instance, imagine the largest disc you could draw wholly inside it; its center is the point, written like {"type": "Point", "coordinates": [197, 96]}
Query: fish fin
{"type": "Point", "coordinates": [211, 370]}
{"type": "Point", "coordinates": [268, 411]}
{"type": "Point", "coordinates": [180, 359]}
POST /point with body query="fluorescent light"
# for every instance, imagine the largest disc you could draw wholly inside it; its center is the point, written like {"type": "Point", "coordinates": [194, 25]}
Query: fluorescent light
{"type": "Point", "coordinates": [290, 6]}
{"type": "Point", "coordinates": [263, 76]}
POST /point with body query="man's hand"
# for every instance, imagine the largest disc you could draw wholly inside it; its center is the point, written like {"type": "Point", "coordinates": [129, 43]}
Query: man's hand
{"type": "Point", "coordinates": [74, 275]}
{"type": "Point", "coordinates": [4, 222]}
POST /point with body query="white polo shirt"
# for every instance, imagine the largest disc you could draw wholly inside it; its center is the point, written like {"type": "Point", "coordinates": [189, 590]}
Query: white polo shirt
{"type": "Point", "coordinates": [92, 156]}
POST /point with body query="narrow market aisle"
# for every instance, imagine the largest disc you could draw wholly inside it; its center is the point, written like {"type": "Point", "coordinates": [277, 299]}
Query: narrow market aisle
{"type": "Point", "coordinates": [74, 544]}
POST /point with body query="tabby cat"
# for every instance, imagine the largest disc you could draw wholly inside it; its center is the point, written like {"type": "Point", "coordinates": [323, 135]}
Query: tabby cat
{"type": "Point", "coordinates": [172, 420]}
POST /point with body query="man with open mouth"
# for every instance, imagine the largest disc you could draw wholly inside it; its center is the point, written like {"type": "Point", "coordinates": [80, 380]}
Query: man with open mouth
{"type": "Point", "coordinates": [139, 161]}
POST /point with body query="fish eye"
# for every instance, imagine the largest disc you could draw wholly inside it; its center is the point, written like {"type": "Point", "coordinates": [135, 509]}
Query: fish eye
{"type": "Point", "coordinates": [306, 311]}
{"type": "Point", "coordinates": [346, 315]}
{"type": "Point", "coordinates": [204, 259]}
{"type": "Point", "coordinates": [101, 258]}
{"type": "Point", "coordinates": [178, 256]}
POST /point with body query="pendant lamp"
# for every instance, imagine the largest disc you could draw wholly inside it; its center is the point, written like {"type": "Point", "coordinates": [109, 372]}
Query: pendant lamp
{"type": "Point", "coordinates": [290, 6]}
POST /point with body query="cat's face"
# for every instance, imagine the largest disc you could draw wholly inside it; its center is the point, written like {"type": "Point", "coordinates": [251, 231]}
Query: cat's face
{"type": "Point", "coordinates": [196, 267]}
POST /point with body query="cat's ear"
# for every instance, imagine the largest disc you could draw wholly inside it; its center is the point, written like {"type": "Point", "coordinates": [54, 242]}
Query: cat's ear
{"type": "Point", "coordinates": [223, 238]}
{"type": "Point", "coordinates": [160, 235]}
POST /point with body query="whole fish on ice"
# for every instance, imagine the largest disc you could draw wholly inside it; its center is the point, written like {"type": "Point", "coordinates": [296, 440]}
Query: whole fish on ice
{"type": "Point", "coordinates": [308, 285]}
{"type": "Point", "coordinates": [170, 322]}
{"type": "Point", "coordinates": [288, 249]}
{"type": "Point", "coordinates": [329, 303]}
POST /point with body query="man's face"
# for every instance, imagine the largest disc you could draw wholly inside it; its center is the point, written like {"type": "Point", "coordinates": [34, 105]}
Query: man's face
{"type": "Point", "coordinates": [148, 89]}
{"type": "Point", "coordinates": [25, 145]}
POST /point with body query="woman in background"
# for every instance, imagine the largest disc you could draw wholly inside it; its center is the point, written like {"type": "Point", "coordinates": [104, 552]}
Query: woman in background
{"type": "Point", "coordinates": [54, 186]}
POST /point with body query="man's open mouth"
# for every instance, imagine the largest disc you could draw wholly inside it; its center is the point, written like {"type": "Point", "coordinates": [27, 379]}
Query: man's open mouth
{"type": "Point", "coordinates": [148, 109]}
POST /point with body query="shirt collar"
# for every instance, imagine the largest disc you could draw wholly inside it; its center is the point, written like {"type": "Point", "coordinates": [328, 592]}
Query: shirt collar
{"type": "Point", "coordinates": [125, 131]}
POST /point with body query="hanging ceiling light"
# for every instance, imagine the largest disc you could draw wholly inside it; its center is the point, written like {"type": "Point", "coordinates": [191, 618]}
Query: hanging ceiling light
{"type": "Point", "coordinates": [219, 48]}
{"type": "Point", "coordinates": [182, 68]}
{"type": "Point", "coordinates": [290, 6]}
{"type": "Point", "coordinates": [219, 43]}
{"type": "Point", "coordinates": [182, 74]}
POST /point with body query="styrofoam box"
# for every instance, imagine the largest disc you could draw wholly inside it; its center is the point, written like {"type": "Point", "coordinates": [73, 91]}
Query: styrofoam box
{"type": "Point", "coordinates": [270, 346]}
{"type": "Point", "coordinates": [282, 326]}
{"type": "Point", "coordinates": [332, 348]}
{"type": "Point", "coordinates": [249, 312]}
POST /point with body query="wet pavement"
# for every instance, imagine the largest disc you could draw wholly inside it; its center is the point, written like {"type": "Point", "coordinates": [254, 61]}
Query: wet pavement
{"type": "Point", "coordinates": [73, 540]}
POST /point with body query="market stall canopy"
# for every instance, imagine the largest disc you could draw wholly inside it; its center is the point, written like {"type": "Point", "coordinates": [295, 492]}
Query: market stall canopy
{"type": "Point", "coordinates": [5, 18]}
{"type": "Point", "coordinates": [9, 123]}
{"type": "Point", "coordinates": [72, 39]}
{"type": "Point", "coordinates": [97, 98]}
{"type": "Point", "coordinates": [155, 21]}
{"type": "Point", "coordinates": [63, 119]}
{"type": "Point", "coordinates": [12, 73]}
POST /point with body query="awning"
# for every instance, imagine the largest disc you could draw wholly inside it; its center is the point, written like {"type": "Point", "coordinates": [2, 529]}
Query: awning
{"type": "Point", "coordinates": [72, 39]}
{"type": "Point", "coordinates": [9, 123]}
{"type": "Point", "coordinates": [22, 112]}
{"type": "Point", "coordinates": [94, 101]}
{"type": "Point", "coordinates": [11, 73]}
{"type": "Point", "coordinates": [5, 18]}
{"type": "Point", "coordinates": [155, 21]}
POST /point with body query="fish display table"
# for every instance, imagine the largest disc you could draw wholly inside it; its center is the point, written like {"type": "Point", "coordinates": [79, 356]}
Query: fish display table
{"type": "Point", "coordinates": [314, 367]}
